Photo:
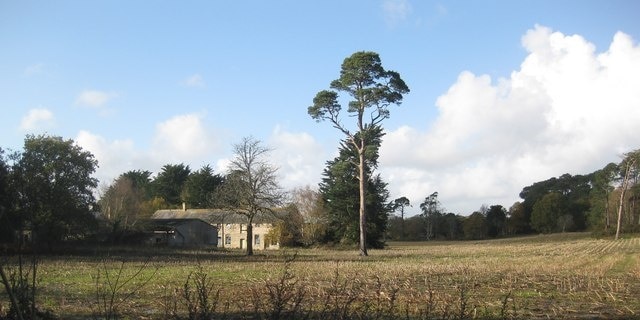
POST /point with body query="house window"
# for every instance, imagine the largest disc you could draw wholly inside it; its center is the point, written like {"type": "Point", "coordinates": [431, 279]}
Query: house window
{"type": "Point", "coordinates": [257, 239]}
{"type": "Point", "coordinates": [227, 239]}
{"type": "Point", "coordinates": [242, 228]}
{"type": "Point", "coordinates": [257, 225]}
{"type": "Point", "coordinates": [228, 226]}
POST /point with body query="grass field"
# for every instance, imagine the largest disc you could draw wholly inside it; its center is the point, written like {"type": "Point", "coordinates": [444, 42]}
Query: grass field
{"type": "Point", "coordinates": [547, 276]}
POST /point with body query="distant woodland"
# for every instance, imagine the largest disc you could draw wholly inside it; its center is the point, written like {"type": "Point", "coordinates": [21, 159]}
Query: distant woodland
{"type": "Point", "coordinates": [47, 190]}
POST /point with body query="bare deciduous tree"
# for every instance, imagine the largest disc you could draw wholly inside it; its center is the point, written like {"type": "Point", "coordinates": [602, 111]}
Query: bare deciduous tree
{"type": "Point", "coordinates": [121, 203]}
{"type": "Point", "coordinates": [309, 203]}
{"type": "Point", "coordinates": [251, 187]}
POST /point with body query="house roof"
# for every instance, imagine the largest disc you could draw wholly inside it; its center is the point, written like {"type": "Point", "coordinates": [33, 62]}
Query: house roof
{"type": "Point", "coordinates": [172, 222]}
{"type": "Point", "coordinates": [213, 216]}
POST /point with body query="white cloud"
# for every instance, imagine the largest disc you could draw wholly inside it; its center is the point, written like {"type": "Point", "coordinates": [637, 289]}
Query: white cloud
{"type": "Point", "coordinates": [184, 138]}
{"type": "Point", "coordinates": [181, 139]}
{"type": "Point", "coordinates": [95, 99]}
{"type": "Point", "coordinates": [37, 119]}
{"type": "Point", "coordinates": [396, 11]}
{"type": "Point", "coordinates": [222, 165]}
{"type": "Point", "coordinates": [114, 157]}
{"type": "Point", "coordinates": [567, 109]}
{"type": "Point", "coordinates": [299, 156]}
{"type": "Point", "coordinates": [194, 81]}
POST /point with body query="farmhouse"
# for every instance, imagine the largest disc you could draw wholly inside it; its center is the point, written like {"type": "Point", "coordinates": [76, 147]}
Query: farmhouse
{"type": "Point", "coordinates": [231, 227]}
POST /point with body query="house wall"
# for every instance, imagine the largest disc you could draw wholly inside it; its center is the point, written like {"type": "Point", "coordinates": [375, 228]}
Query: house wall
{"type": "Point", "coordinates": [195, 233]}
{"type": "Point", "coordinates": [234, 236]}
{"type": "Point", "coordinates": [189, 233]}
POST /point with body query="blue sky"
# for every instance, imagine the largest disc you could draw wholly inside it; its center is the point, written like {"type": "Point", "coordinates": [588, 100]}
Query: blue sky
{"type": "Point", "coordinates": [503, 93]}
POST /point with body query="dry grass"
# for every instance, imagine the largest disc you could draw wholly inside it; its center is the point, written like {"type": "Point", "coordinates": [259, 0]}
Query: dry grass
{"type": "Point", "coordinates": [558, 276]}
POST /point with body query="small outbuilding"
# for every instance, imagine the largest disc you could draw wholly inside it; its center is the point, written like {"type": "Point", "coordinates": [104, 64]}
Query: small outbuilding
{"type": "Point", "coordinates": [182, 233]}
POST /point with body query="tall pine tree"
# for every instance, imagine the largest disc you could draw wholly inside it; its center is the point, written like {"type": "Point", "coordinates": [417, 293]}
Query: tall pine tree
{"type": "Point", "coordinates": [340, 191]}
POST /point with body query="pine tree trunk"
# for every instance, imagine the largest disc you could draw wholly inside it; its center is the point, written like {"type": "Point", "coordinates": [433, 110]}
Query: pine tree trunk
{"type": "Point", "coordinates": [363, 218]}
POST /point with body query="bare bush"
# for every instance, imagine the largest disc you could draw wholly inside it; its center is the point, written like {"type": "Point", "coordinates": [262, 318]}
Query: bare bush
{"type": "Point", "coordinates": [200, 295]}
{"type": "Point", "coordinates": [114, 288]}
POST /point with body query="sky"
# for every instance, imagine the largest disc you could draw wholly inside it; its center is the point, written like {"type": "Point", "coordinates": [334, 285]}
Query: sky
{"type": "Point", "coordinates": [503, 93]}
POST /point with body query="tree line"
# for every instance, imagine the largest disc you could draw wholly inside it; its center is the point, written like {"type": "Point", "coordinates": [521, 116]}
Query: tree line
{"type": "Point", "coordinates": [48, 196]}
{"type": "Point", "coordinates": [48, 191]}
{"type": "Point", "coordinates": [605, 202]}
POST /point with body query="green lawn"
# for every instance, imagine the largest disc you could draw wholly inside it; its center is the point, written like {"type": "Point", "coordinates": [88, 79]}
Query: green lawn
{"type": "Point", "coordinates": [547, 276]}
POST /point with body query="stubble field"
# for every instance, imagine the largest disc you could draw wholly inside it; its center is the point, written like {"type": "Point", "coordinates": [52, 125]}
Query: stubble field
{"type": "Point", "coordinates": [548, 276]}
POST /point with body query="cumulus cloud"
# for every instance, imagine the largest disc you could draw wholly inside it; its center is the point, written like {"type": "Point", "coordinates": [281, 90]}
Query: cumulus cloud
{"type": "Point", "coordinates": [114, 157]}
{"type": "Point", "coordinates": [396, 11]}
{"type": "Point", "coordinates": [299, 157]}
{"type": "Point", "coordinates": [94, 98]}
{"type": "Point", "coordinates": [180, 139]}
{"type": "Point", "coordinates": [194, 81]}
{"type": "Point", "coordinates": [37, 119]}
{"type": "Point", "coordinates": [568, 109]}
{"type": "Point", "coordinates": [184, 138]}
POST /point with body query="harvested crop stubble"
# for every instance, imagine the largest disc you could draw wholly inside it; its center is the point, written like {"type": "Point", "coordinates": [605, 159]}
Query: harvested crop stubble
{"type": "Point", "coordinates": [557, 276]}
